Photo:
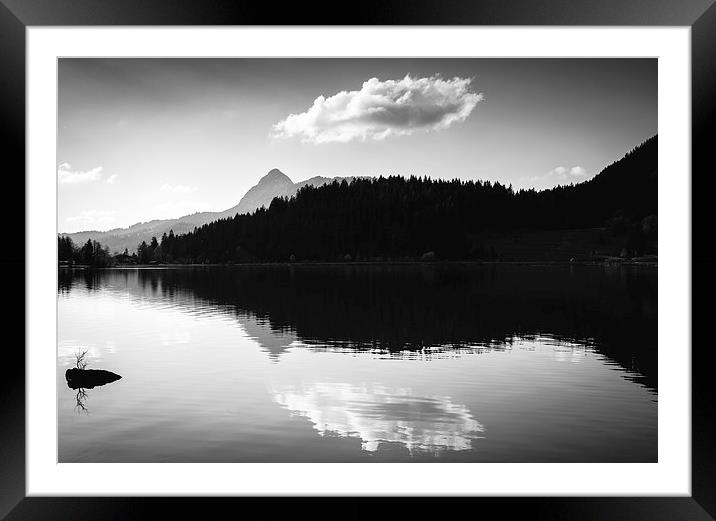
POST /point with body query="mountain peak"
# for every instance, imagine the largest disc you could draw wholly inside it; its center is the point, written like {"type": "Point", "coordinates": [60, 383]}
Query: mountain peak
{"type": "Point", "coordinates": [275, 175]}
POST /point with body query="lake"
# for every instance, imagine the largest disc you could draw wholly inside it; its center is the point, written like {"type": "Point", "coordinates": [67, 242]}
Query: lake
{"type": "Point", "coordinates": [361, 363]}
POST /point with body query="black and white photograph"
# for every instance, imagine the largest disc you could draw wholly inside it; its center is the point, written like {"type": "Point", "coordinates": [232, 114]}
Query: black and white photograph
{"type": "Point", "coordinates": [357, 260]}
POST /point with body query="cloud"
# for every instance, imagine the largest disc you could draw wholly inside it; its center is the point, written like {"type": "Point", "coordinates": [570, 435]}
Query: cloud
{"type": "Point", "coordinates": [559, 176]}
{"type": "Point", "coordinates": [112, 179]}
{"type": "Point", "coordinates": [92, 217]}
{"type": "Point", "coordinates": [382, 109]}
{"type": "Point", "coordinates": [178, 189]}
{"type": "Point", "coordinates": [65, 175]}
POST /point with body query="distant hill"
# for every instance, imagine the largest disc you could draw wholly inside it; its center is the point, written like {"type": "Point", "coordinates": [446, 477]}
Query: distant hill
{"type": "Point", "coordinates": [420, 218]}
{"type": "Point", "coordinates": [273, 184]}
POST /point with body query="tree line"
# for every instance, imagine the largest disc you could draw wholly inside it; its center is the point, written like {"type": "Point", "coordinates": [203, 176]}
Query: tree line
{"type": "Point", "coordinates": [419, 218]}
{"type": "Point", "coordinates": [407, 218]}
{"type": "Point", "coordinates": [91, 253]}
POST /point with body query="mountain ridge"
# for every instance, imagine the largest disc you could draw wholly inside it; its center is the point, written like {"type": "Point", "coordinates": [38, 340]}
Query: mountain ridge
{"type": "Point", "coordinates": [631, 189]}
{"type": "Point", "coordinates": [273, 184]}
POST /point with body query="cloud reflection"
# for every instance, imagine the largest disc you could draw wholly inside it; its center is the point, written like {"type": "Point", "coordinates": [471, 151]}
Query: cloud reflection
{"type": "Point", "coordinates": [376, 414]}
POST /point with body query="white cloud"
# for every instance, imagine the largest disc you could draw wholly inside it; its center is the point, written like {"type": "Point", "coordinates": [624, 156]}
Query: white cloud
{"type": "Point", "coordinates": [112, 179]}
{"type": "Point", "coordinates": [560, 175]}
{"type": "Point", "coordinates": [382, 109]}
{"type": "Point", "coordinates": [178, 189]}
{"type": "Point", "coordinates": [65, 175]}
{"type": "Point", "coordinates": [91, 217]}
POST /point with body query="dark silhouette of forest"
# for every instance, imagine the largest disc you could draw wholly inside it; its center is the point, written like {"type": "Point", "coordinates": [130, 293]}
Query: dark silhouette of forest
{"type": "Point", "coordinates": [92, 253]}
{"type": "Point", "coordinates": [413, 218]}
{"type": "Point", "coordinates": [417, 218]}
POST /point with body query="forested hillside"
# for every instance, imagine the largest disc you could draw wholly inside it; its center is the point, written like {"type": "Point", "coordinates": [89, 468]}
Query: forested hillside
{"type": "Point", "coordinates": [411, 218]}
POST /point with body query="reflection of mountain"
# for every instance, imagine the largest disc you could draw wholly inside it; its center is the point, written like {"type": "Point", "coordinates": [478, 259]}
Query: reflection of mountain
{"type": "Point", "coordinates": [375, 414]}
{"type": "Point", "coordinates": [416, 307]}
{"type": "Point", "coordinates": [273, 341]}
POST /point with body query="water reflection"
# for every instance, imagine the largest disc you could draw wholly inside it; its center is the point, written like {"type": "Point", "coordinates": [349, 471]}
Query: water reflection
{"type": "Point", "coordinates": [412, 308]}
{"type": "Point", "coordinates": [81, 401]}
{"type": "Point", "coordinates": [378, 414]}
{"type": "Point", "coordinates": [272, 341]}
{"type": "Point", "coordinates": [361, 363]}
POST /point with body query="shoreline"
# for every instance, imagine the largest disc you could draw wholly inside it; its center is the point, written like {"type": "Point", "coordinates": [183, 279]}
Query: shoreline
{"type": "Point", "coordinates": [607, 262]}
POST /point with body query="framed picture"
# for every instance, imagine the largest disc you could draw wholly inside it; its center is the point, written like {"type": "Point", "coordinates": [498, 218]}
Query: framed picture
{"type": "Point", "coordinates": [406, 254]}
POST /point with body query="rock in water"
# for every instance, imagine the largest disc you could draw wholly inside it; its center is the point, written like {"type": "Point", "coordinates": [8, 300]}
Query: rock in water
{"type": "Point", "coordinates": [89, 378]}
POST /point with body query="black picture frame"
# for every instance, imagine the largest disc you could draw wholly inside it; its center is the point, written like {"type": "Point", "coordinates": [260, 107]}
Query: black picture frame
{"type": "Point", "coordinates": [700, 15]}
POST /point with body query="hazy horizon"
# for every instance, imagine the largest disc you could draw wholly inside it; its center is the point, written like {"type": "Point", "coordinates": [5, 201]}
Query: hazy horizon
{"type": "Point", "coordinates": [146, 139]}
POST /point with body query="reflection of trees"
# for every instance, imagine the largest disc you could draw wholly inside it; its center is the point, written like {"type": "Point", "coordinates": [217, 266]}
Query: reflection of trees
{"type": "Point", "coordinates": [64, 280]}
{"type": "Point", "coordinates": [81, 401]}
{"type": "Point", "coordinates": [73, 278]}
{"type": "Point", "coordinates": [435, 352]}
{"type": "Point", "coordinates": [417, 307]}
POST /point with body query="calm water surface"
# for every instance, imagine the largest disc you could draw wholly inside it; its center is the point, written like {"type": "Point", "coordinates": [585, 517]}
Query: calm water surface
{"type": "Point", "coordinates": [494, 363]}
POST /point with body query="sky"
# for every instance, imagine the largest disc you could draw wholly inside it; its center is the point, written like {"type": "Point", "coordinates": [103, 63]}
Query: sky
{"type": "Point", "coordinates": [142, 139]}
